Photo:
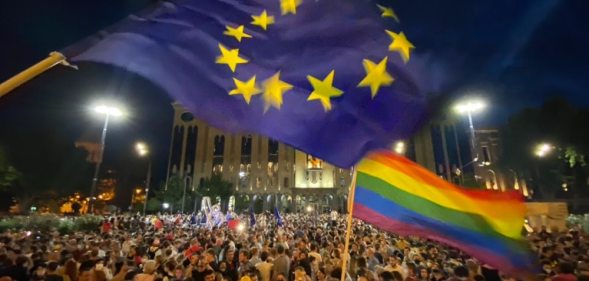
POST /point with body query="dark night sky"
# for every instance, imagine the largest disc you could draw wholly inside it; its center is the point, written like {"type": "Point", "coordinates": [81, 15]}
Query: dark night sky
{"type": "Point", "coordinates": [514, 53]}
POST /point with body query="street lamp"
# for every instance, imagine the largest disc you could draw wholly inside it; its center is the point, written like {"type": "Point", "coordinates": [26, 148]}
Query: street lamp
{"type": "Point", "coordinates": [470, 107]}
{"type": "Point", "coordinates": [543, 149]}
{"type": "Point", "coordinates": [107, 110]}
{"type": "Point", "coordinates": [166, 205]}
{"type": "Point", "coordinates": [400, 147]}
{"type": "Point", "coordinates": [143, 151]}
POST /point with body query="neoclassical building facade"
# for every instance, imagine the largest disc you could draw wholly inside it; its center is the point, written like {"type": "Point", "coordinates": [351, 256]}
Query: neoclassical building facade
{"type": "Point", "coordinates": [272, 173]}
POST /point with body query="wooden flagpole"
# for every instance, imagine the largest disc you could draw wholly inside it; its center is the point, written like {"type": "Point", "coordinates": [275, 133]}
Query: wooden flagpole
{"type": "Point", "coordinates": [349, 226]}
{"type": "Point", "coordinates": [52, 60]}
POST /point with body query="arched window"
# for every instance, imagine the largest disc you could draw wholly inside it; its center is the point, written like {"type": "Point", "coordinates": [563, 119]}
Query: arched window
{"type": "Point", "coordinates": [219, 146]}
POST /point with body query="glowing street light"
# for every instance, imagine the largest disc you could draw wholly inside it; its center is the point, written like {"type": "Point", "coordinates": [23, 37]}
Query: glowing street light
{"type": "Point", "coordinates": [309, 208]}
{"type": "Point", "coordinates": [400, 147]}
{"type": "Point", "coordinates": [543, 149]}
{"type": "Point", "coordinates": [166, 206]}
{"type": "Point", "coordinates": [470, 107]}
{"type": "Point", "coordinates": [107, 110]}
{"type": "Point", "coordinates": [143, 151]}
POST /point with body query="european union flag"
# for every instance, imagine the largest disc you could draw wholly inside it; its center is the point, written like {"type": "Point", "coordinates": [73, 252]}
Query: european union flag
{"type": "Point", "coordinates": [334, 78]}
{"type": "Point", "coordinates": [252, 216]}
{"type": "Point", "coordinates": [278, 218]}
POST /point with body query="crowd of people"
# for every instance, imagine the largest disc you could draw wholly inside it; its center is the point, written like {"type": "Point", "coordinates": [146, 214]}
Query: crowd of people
{"type": "Point", "coordinates": [304, 248]}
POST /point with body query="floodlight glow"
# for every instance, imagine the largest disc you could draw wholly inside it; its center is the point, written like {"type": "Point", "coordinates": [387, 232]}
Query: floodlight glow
{"type": "Point", "coordinates": [109, 110]}
{"type": "Point", "coordinates": [469, 106]}
{"type": "Point", "coordinates": [543, 149]}
{"type": "Point", "coordinates": [141, 148]}
{"type": "Point", "coordinates": [240, 227]}
{"type": "Point", "coordinates": [400, 147]}
{"type": "Point", "coordinates": [166, 205]}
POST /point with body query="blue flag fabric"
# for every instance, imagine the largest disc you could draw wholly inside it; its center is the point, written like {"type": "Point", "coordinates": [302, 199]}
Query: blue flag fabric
{"type": "Point", "coordinates": [252, 216]}
{"type": "Point", "coordinates": [332, 62]}
{"type": "Point", "coordinates": [278, 218]}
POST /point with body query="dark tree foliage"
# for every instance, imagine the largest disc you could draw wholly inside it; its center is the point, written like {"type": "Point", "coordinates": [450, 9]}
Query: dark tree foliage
{"type": "Point", "coordinates": [216, 186]}
{"type": "Point", "coordinates": [564, 127]}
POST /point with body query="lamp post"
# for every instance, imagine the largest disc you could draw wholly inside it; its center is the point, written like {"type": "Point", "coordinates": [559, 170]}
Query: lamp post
{"type": "Point", "coordinates": [469, 107]}
{"type": "Point", "coordinates": [143, 151]}
{"type": "Point", "coordinates": [108, 111]}
{"type": "Point", "coordinates": [541, 150]}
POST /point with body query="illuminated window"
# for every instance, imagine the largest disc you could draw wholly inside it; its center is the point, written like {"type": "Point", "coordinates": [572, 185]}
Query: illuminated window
{"type": "Point", "coordinates": [314, 162]}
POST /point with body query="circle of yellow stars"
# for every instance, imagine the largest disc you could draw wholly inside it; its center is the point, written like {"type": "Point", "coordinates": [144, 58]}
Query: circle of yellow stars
{"type": "Point", "coordinates": [273, 89]}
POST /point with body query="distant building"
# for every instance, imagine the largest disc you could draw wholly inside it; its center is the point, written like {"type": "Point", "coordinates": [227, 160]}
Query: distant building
{"type": "Point", "coordinates": [488, 144]}
{"type": "Point", "coordinates": [107, 186]}
{"type": "Point", "coordinates": [266, 170]}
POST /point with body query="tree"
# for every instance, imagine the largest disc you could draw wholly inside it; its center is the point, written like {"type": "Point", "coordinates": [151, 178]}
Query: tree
{"type": "Point", "coordinates": [8, 174]}
{"type": "Point", "coordinates": [44, 160]}
{"type": "Point", "coordinates": [216, 186]}
{"type": "Point", "coordinates": [154, 205]}
{"type": "Point", "coordinates": [562, 126]}
{"type": "Point", "coordinates": [242, 202]}
{"type": "Point", "coordinates": [174, 193]}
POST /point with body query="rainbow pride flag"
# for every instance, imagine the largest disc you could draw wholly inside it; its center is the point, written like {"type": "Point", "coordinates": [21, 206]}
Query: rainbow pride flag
{"type": "Point", "coordinates": [399, 196]}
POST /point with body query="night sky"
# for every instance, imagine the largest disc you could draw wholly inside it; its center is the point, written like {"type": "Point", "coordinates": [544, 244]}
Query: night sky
{"type": "Point", "coordinates": [513, 53]}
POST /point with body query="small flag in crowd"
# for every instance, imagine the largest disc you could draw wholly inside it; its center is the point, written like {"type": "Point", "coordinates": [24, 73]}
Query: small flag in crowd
{"type": "Point", "coordinates": [252, 216]}
{"type": "Point", "coordinates": [278, 218]}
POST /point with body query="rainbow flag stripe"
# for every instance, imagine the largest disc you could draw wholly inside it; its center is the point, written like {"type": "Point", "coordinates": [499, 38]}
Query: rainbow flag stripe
{"type": "Point", "coordinates": [399, 196]}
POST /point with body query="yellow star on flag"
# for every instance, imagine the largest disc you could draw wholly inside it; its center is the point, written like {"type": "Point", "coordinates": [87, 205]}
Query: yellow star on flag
{"type": "Point", "coordinates": [263, 20]}
{"type": "Point", "coordinates": [274, 88]}
{"type": "Point", "coordinates": [376, 75]}
{"type": "Point", "coordinates": [230, 57]}
{"type": "Point", "coordinates": [246, 89]}
{"type": "Point", "coordinates": [236, 32]}
{"type": "Point", "coordinates": [400, 44]}
{"type": "Point", "coordinates": [388, 12]}
{"type": "Point", "coordinates": [323, 90]}
{"type": "Point", "coordinates": [289, 6]}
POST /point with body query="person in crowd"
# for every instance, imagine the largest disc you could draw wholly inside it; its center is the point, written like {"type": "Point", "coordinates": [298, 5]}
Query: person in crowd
{"type": "Point", "coordinates": [281, 263]}
{"type": "Point", "coordinates": [265, 267]}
